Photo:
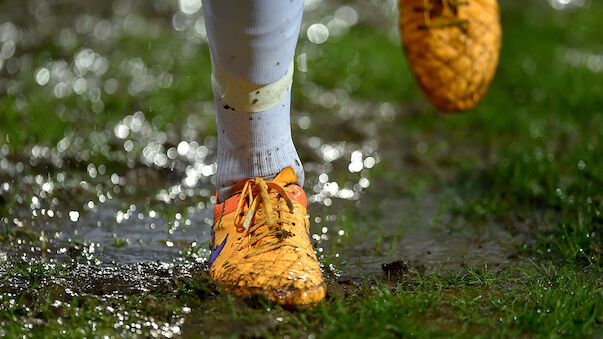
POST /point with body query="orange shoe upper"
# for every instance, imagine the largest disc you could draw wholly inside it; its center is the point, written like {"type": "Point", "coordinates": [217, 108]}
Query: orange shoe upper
{"type": "Point", "coordinates": [261, 245]}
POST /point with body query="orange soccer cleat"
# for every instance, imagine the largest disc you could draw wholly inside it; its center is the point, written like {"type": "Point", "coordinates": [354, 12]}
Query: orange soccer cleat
{"type": "Point", "coordinates": [261, 244]}
{"type": "Point", "coordinates": [453, 48]}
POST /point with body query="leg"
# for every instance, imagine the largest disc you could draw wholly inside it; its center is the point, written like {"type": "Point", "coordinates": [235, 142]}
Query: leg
{"type": "Point", "coordinates": [252, 44]}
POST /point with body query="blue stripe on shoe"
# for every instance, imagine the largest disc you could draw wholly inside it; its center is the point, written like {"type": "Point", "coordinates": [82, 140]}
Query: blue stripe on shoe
{"type": "Point", "coordinates": [216, 251]}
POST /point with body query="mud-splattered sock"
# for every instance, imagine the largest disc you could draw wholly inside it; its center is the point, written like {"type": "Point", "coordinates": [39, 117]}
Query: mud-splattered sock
{"type": "Point", "coordinates": [254, 145]}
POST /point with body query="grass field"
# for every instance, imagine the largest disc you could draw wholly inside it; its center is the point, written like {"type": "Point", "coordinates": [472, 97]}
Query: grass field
{"type": "Point", "coordinates": [107, 152]}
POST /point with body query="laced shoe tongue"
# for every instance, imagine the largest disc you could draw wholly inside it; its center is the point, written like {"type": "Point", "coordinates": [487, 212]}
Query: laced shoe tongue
{"type": "Point", "coordinates": [256, 195]}
{"type": "Point", "coordinates": [287, 176]}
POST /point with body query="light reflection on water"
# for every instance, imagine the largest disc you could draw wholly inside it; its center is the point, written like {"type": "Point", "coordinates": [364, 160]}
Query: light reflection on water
{"type": "Point", "coordinates": [567, 4]}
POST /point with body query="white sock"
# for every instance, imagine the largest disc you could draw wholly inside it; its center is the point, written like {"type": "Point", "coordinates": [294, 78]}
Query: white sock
{"type": "Point", "coordinates": [252, 43]}
{"type": "Point", "coordinates": [254, 145]}
{"type": "Point", "coordinates": [253, 40]}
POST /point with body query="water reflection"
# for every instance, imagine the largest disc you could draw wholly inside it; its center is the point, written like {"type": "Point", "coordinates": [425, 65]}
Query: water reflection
{"type": "Point", "coordinates": [567, 4]}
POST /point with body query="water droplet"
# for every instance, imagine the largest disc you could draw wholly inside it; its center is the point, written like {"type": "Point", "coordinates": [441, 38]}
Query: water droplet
{"type": "Point", "coordinates": [121, 131]}
{"type": "Point", "coordinates": [318, 33]}
{"type": "Point", "coordinates": [42, 76]}
{"type": "Point", "coordinates": [74, 215]}
{"type": "Point", "coordinates": [190, 6]}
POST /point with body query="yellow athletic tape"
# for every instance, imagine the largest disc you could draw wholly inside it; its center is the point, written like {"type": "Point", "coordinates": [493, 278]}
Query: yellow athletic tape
{"type": "Point", "coordinates": [248, 97]}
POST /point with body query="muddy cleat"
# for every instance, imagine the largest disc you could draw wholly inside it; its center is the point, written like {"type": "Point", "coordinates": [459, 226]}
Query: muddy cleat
{"type": "Point", "coordinates": [261, 244]}
{"type": "Point", "coordinates": [453, 48]}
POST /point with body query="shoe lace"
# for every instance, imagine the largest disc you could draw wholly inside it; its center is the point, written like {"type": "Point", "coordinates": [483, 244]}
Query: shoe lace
{"type": "Point", "coordinates": [444, 17]}
{"type": "Point", "coordinates": [255, 195]}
